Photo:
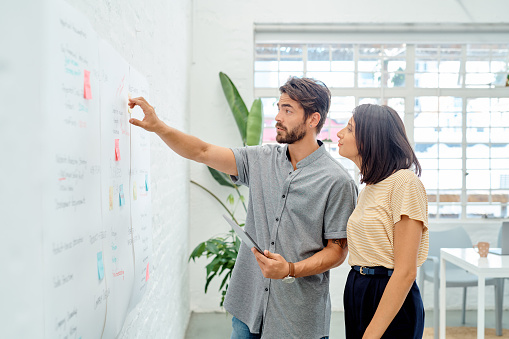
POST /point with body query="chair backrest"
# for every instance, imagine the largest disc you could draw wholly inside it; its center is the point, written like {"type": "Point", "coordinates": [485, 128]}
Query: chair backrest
{"type": "Point", "coordinates": [503, 237]}
{"type": "Point", "coordinates": [452, 238]}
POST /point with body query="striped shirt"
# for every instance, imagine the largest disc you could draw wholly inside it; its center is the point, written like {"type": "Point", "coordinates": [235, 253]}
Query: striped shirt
{"type": "Point", "coordinates": [379, 207]}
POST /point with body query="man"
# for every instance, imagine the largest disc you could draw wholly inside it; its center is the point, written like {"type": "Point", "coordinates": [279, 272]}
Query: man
{"type": "Point", "coordinates": [300, 199]}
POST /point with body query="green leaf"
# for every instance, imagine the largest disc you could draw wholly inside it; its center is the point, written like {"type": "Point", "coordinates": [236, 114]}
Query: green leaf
{"type": "Point", "coordinates": [209, 279]}
{"type": "Point", "coordinates": [212, 247]}
{"type": "Point", "coordinates": [237, 105]}
{"type": "Point", "coordinates": [230, 199]}
{"type": "Point", "coordinates": [224, 282]}
{"type": "Point", "coordinates": [254, 124]}
{"type": "Point", "coordinates": [198, 251]}
{"type": "Point", "coordinates": [222, 178]}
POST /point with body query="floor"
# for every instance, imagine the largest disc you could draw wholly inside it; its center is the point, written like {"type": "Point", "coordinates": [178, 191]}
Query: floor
{"type": "Point", "coordinates": [218, 325]}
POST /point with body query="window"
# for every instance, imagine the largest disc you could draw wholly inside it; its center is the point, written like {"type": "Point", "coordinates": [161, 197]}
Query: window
{"type": "Point", "coordinates": [451, 96]}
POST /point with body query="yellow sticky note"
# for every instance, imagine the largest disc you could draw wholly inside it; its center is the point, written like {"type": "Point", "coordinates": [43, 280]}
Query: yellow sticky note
{"type": "Point", "coordinates": [111, 198]}
{"type": "Point", "coordinates": [135, 191]}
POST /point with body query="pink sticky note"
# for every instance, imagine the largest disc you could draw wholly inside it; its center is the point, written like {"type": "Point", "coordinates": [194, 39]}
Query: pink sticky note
{"type": "Point", "coordinates": [117, 150]}
{"type": "Point", "coordinates": [87, 93]}
{"type": "Point", "coordinates": [146, 278]}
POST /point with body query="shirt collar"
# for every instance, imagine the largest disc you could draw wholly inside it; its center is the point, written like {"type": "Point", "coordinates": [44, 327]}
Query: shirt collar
{"type": "Point", "coordinates": [310, 158]}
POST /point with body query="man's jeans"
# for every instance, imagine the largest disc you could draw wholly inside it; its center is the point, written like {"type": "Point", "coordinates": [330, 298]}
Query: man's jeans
{"type": "Point", "coordinates": [241, 331]}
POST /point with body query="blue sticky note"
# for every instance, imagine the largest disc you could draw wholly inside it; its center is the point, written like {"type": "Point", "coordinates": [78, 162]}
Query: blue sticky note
{"type": "Point", "coordinates": [121, 195]}
{"type": "Point", "coordinates": [100, 266]}
{"type": "Point", "coordinates": [146, 182]}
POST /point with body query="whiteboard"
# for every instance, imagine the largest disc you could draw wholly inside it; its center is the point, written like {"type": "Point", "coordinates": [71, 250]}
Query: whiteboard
{"type": "Point", "coordinates": [96, 210]}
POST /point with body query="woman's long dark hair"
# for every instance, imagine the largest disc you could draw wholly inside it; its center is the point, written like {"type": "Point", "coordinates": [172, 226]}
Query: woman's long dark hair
{"type": "Point", "coordinates": [382, 143]}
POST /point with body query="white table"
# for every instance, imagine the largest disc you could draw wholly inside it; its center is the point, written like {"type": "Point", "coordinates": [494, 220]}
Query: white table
{"type": "Point", "coordinates": [494, 266]}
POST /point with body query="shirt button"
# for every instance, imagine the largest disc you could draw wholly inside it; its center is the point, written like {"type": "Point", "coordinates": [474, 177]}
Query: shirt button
{"type": "Point", "coordinates": [266, 289]}
{"type": "Point", "coordinates": [290, 173]}
{"type": "Point", "coordinates": [283, 196]}
{"type": "Point", "coordinates": [272, 243]}
{"type": "Point", "coordinates": [277, 219]}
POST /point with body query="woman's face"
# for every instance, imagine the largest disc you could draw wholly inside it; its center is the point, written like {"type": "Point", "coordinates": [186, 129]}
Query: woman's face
{"type": "Point", "coordinates": [347, 143]}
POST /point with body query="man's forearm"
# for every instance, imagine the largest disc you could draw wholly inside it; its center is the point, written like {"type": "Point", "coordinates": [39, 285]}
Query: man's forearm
{"type": "Point", "coordinates": [333, 255]}
{"type": "Point", "coordinates": [185, 145]}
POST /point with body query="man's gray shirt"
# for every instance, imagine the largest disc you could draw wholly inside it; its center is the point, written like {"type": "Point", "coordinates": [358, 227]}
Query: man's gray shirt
{"type": "Point", "coordinates": [292, 213]}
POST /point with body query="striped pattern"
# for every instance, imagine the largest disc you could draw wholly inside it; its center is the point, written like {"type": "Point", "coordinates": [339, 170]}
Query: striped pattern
{"type": "Point", "coordinates": [371, 226]}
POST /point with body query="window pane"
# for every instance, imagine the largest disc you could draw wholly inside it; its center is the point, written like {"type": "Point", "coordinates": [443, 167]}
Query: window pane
{"type": "Point", "coordinates": [499, 151]}
{"type": "Point", "coordinates": [450, 134]}
{"type": "Point", "coordinates": [450, 150]}
{"type": "Point", "coordinates": [369, 65]}
{"type": "Point", "coordinates": [484, 211]}
{"type": "Point", "coordinates": [426, 150]}
{"type": "Point", "coordinates": [478, 196]}
{"type": "Point", "coordinates": [396, 80]}
{"type": "Point", "coordinates": [450, 195]}
{"type": "Point", "coordinates": [334, 79]}
{"type": "Point", "coordinates": [478, 179]}
{"type": "Point", "coordinates": [429, 179]}
{"type": "Point", "coordinates": [449, 211]}
{"type": "Point", "coordinates": [398, 104]}
{"type": "Point", "coordinates": [449, 179]}
{"type": "Point", "coordinates": [342, 58]}
{"type": "Point", "coordinates": [475, 151]}
{"type": "Point", "coordinates": [426, 80]}
{"type": "Point", "coordinates": [478, 163]}
{"type": "Point", "coordinates": [269, 107]}
{"type": "Point", "coordinates": [449, 66]}
{"type": "Point", "coordinates": [266, 79]}
{"type": "Point", "coordinates": [500, 134]}
{"type": "Point", "coordinates": [499, 179]}
{"type": "Point", "coordinates": [318, 58]}
{"type": "Point", "coordinates": [266, 64]}
{"type": "Point", "coordinates": [291, 50]}
{"type": "Point", "coordinates": [370, 50]}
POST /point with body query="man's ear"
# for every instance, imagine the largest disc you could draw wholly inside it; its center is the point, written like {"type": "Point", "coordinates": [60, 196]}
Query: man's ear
{"type": "Point", "coordinates": [314, 119]}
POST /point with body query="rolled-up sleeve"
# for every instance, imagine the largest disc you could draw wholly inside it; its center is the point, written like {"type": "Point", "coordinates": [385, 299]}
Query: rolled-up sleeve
{"type": "Point", "coordinates": [340, 205]}
{"type": "Point", "coordinates": [244, 158]}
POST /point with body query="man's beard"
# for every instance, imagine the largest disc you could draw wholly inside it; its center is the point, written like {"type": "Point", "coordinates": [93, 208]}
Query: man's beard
{"type": "Point", "coordinates": [296, 134]}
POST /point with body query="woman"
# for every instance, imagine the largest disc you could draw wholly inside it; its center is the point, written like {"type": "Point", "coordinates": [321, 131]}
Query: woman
{"type": "Point", "coordinates": [387, 232]}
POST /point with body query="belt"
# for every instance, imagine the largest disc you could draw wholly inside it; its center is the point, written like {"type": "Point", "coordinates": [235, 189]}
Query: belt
{"type": "Point", "coordinates": [378, 270]}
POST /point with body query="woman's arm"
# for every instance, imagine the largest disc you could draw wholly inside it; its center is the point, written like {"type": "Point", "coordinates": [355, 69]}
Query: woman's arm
{"type": "Point", "coordinates": [407, 238]}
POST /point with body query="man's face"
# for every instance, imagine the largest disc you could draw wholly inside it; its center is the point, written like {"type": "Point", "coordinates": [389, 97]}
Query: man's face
{"type": "Point", "coordinates": [290, 126]}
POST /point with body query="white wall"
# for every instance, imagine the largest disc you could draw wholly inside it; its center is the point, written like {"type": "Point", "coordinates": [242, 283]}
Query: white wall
{"type": "Point", "coordinates": [223, 41]}
{"type": "Point", "coordinates": [155, 38]}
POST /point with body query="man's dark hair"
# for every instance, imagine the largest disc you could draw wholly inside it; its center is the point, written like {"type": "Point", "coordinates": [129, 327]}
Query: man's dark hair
{"type": "Point", "coordinates": [382, 143]}
{"type": "Point", "coordinates": [311, 94]}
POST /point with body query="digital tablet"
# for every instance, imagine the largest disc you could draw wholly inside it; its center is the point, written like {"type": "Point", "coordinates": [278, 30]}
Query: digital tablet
{"type": "Point", "coordinates": [243, 235]}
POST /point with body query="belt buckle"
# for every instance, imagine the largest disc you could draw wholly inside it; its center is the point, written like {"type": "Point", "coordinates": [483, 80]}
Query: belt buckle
{"type": "Point", "coordinates": [360, 270]}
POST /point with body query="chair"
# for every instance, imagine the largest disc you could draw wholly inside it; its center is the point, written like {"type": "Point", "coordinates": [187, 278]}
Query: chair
{"type": "Point", "coordinates": [456, 277]}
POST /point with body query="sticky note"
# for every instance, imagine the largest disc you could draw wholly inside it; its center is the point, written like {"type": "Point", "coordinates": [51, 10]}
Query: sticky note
{"type": "Point", "coordinates": [121, 195]}
{"type": "Point", "coordinates": [117, 150]}
{"type": "Point", "coordinates": [146, 182]}
{"type": "Point", "coordinates": [146, 277]}
{"type": "Point", "coordinates": [111, 198]}
{"type": "Point", "coordinates": [87, 91]}
{"type": "Point", "coordinates": [135, 191]}
{"type": "Point", "coordinates": [100, 265]}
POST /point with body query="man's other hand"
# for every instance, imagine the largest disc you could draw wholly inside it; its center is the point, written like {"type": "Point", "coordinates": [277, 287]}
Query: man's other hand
{"type": "Point", "coordinates": [273, 265]}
